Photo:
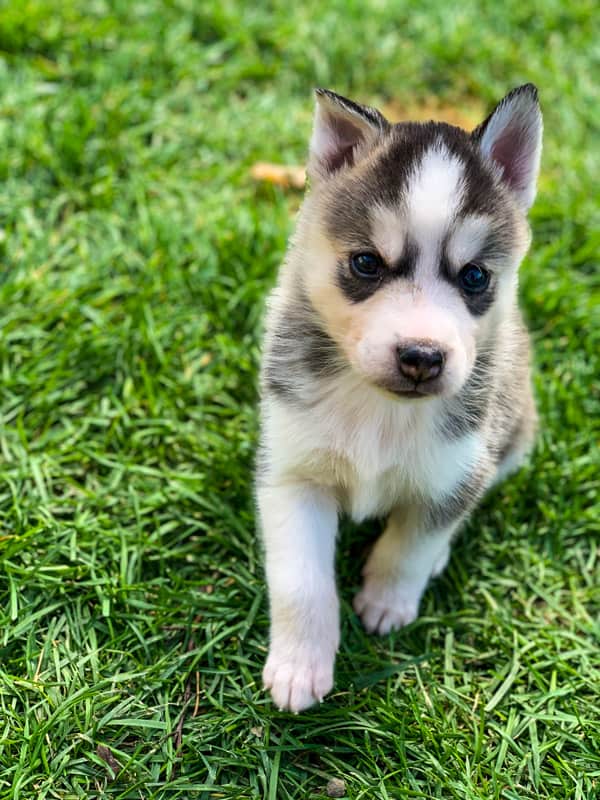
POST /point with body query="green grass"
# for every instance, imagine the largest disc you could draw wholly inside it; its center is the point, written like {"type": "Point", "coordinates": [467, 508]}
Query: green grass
{"type": "Point", "coordinates": [135, 255]}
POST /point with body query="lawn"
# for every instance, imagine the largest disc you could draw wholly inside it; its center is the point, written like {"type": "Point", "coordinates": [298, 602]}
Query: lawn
{"type": "Point", "coordinates": [135, 253]}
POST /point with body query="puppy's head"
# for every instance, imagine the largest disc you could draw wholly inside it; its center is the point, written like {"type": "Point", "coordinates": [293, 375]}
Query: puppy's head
{"type": "Point", "coordinates": [410, 239]}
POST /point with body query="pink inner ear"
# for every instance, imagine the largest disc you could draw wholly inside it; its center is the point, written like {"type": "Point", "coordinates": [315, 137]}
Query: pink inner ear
{"type": "Point", "coordinates": [512, 151]}
{"type": "Point", "coordinates": [345, 136]}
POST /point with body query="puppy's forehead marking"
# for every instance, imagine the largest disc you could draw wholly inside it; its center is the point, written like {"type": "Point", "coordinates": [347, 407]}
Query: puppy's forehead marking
{"type": "Point", "coordinates": [427, 208]}
{"type": "Point", "coordinates": [434, 194]}
{"type": "Point", "coordinates": [467, 238]}
{"type": "Point", "coordinates": [388, 231]}
{"type": "Point", "coordinates": [346, 213]}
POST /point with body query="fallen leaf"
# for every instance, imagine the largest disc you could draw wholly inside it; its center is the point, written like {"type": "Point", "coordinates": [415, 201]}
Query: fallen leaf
{"type": "Point", "coordinates": [286, 176]}
{"type": "Point", "coordinates": [104, 753]}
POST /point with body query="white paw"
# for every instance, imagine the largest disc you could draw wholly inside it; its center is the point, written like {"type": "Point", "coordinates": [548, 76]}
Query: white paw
{"type": "Point", "coordinates": [384, 606]}
{"type": "Point", "coordinates": [298, 679]}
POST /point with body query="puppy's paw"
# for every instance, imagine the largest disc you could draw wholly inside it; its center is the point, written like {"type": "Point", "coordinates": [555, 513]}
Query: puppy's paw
{"type": "Point", "coordinates": [298, 677]}
{"type": "Point", "coordinates": [384, 606]}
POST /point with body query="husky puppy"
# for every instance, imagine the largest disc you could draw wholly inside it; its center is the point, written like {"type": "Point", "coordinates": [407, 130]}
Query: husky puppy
{"type": "Point", "coordinates": [396, 377]}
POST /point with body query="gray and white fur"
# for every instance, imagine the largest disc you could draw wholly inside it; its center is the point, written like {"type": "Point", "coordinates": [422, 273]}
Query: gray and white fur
{"type": "Point", "coordinates": [396, 377]}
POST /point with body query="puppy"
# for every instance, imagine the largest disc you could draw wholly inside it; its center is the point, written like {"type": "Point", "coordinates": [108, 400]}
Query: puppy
{"type": "Point", "coordinates": [396, 377]}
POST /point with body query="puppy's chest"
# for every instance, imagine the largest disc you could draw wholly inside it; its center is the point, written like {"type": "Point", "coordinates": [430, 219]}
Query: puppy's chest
{"type": "Point", "coordinates": [363, 496]}
{"type": "Point", "coordinates": [381, 463]}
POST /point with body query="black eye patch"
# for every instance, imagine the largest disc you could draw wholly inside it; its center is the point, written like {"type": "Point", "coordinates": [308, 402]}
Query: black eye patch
{"type": "Point", "coordinates": [364, 272]}
{"type": "Point", "coordinates": [476, 285]}
{"type": "Point", "coordinates": [478, 303]}
{"type": "Point", "coordinates": [475, 282]}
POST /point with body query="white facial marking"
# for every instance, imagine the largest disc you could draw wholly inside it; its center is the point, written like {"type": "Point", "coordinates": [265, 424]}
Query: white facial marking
{"type": "Point", "coordinates": [433, 196]}
{"type": "Point", "coordinates": [387, 231]}
{"type": "Point", "coordinates": [467, 239]}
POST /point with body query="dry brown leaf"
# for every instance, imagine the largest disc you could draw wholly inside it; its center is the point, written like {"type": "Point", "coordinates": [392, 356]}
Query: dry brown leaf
{"type": "Point", "coordinates": [105, 754]}
{"type": "Point", "coordinates": [286, 176]}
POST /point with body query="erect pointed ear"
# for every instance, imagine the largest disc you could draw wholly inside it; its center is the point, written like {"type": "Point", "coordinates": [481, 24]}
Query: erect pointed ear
{"type": "Point", "coordinates": [342, 131]}
{"type": "Point", "coordinates": [511, 137]}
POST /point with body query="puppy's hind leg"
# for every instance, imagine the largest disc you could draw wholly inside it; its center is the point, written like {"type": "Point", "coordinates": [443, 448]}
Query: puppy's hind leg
{"type": "Point", "coordinates": [299, 524]}
{"type": "Point", "coordinates": [398, 569]}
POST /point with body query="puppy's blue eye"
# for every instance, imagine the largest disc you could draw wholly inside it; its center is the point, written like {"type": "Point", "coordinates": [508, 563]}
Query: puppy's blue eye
{"type": "Point", "coordinates": [473, 279]}
{"type": "Point", "coordinates": [365, 265]}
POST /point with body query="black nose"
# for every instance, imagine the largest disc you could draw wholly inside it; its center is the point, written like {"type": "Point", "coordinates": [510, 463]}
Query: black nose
{"type": "Point", "coordinates": [419, 362]}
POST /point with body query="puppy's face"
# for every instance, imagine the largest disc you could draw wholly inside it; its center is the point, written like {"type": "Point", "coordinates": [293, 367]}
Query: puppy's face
{"type": "Point", "coordinates": [411, 237]}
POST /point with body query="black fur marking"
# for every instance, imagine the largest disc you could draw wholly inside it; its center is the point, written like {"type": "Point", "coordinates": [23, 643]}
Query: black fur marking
{"type": "Point", "coordinates": [478, 304]}
{"type": "Point", "coordinates": [357, 289]}
{"type": "Point", "coordinates": [299, 346]}
{"type": "Point", "coordinates": [495, 250]}
{"type": "Point", "coordinates": [406, 265]}
{"type": "Point", "coordinates": [347, 217]}
{"type": "Point", "coordinates": [441, 513]}
{"type": "Point", "coordinates": [409, 143]}
{"type": "Point", "coordinates": [467, 411]}
{"type": "Point", "coordinates": [380, 183]}
{"type": "Point", "coordinates": [354, 288]}
{"type": "Point", "coordinates": [389, 175]}
{"type": "Point", "coordinates": [481, 193]}
{"type": "Point", "coordinates": [279, 387]}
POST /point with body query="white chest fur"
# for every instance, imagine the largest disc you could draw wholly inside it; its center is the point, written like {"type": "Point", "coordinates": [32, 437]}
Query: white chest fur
{"type": "Point", "coordinates": [371, 450]}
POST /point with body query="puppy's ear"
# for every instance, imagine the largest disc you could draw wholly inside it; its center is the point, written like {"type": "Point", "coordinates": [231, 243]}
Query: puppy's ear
{"type": "Point", "coordinates": [511, 137]}
{"type": "Point", "coordinates": [342, 132]}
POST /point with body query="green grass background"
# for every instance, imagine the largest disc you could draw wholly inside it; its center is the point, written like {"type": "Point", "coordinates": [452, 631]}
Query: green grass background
{"type": "Point", "coordinates": [135, 254]}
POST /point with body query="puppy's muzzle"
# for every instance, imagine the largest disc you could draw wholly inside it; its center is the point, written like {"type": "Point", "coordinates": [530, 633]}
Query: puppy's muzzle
{"type": "Point", "coordinates": [419, 363]}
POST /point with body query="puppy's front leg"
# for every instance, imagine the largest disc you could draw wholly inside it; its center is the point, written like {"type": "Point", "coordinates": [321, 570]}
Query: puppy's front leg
{"type": "Point", "coordinates": [405, 556]}
{"type": "Point", "coordinates": [299, 523]}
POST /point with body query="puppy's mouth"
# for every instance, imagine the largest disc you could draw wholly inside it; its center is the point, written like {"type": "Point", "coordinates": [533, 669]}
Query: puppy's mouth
{"type": "Point", "coordinates": [410, 393]}
{"type": "Point", "coordinates": [414, 391]}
